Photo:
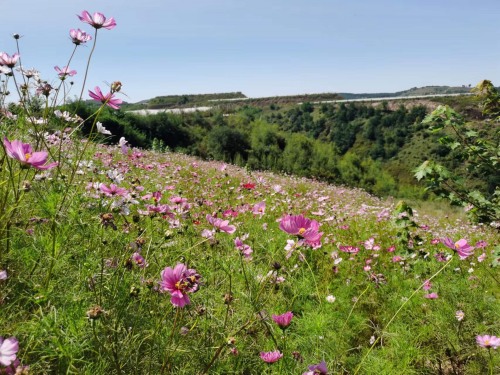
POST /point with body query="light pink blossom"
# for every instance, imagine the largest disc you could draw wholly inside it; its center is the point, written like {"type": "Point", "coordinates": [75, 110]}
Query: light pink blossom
{"type": "Point", "coordinates": [79, 37]}
{"type": "Point", "coordinates": [487, 341]}
{"type": "Point", "coordinates": [64, 72]}
{"type": "Point", "coordinates": [271, 357]}
{"type": "Point", "coordinates": [97, 20]}
{"type": "Point", "coordinates": [112, 190]}
{"type": "Point", "coordinates": [7, 60]}
{"type": "Point", "coordinates": [8, 350]}
{"type": "Point", "coordinates": [431, 296]}
{"type": "Point", "coordinates": [222, 225]}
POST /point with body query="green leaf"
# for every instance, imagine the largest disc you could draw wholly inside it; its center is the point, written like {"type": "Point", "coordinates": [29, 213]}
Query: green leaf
{"type": "Point", "coordinates": [423, 170]}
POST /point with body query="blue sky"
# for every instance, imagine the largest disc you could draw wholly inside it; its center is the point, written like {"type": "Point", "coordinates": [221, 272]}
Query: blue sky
{"type": "Point", "coordinates": [264, 48]}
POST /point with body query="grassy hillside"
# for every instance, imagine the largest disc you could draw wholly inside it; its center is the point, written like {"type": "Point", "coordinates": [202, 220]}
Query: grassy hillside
{"type": "Point", "coordinates": [367, 282]}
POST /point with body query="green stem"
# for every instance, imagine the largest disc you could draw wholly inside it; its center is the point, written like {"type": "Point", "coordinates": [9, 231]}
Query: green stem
{"type": "Point", "coordinates": [87, 68]}
{"type": "Point", "coordinates": [397, 313]}
{"type": "Point", "coordinates": [172, 333]}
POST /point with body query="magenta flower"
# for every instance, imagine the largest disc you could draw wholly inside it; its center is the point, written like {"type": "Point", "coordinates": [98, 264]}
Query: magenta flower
{"type": "Point", "coordinates": [138, 259]}
{"type": "Point", "coordinates": [487, 341]}
{"type": "Point", "coordinates": [108, 99]}
{"type": "Point", "coordinates": [79, 37]}
{"type": "Point", "coordinates": [319, 369]}
{"type": "Point", "coordinates": [24, 153]}
{"type": "Point", "coordinates": [8, 350]}
{"type": "Point", "coordinates": [178, 282]}
{"type": "Point", "coordinates": [64, 72]}
{"type": "Point", "coordinates": [222, 225]}
{"type": "Point", "coordinates": [303, 228]}
{"type": "Point", "coordinates": [283, 320]}
{"type": "Point", "coordinates": [3, 275]}
{"type": "Point", "coordinates": [7, 60]}
{"type": "Point", "coordinates": [461, 247]}
{"type": "Point", "coordinates": [427, 285]}
{"type": "Point", "coordinates": [271, 357]}
{"type": "Point", "coordinates": [97, 20]}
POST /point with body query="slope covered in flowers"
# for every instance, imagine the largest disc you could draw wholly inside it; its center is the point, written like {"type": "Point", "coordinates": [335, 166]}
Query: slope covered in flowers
{"type": "Point", "coordinates": [96, 301]}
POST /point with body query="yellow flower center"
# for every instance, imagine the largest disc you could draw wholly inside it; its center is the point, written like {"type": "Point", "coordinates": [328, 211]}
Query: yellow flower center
{"type": "Point", "coordinates": [27, 156]}
{"type": "Point", "coordinates": [301, 231]}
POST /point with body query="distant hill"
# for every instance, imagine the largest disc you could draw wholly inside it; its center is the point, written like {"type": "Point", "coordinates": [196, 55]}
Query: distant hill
{"type": "Point", "coordinates": [415, 91]}
{"type": "Point", "coordinates": [197, 100]}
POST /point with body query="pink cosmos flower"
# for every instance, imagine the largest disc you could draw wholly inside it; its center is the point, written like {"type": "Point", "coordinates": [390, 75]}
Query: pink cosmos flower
{"type": "Point", "coordinates": [79, 37]}
{"type": "Point", "coordinates": [459, 315]}
{"type": "Point", "coordinates": [487, 341]}
{"type": "Point", "coordinates": [138, 259]}
{"type": "Point", "coordinates": [123, 145]}
{"type": "Point", "coordinates": [222, 225]}
{"type": "Point", "coordinates": [64, 72]}
{"type": "Point", "coordinates": [3, 275]}
{"type": "Point", "coordinates": [97, 20]}
{"type": "Point", "coordinates": [303, 228]}
{"type": "Point", "coordinates": [178, 282]}
{"type": "Point", "coordinates": [283, 320]}
{"type": "Point", "coordinates": [7, 60]}
{"type": "Point", "coordinates": [112, 190]}
{"type": "Point", "coordinates": [481, 244]}
{"type": "Point", "coordinates": [349, 249]}
{"type": "Point", "coordinates": [245, 249]}
{"type": "Point", "coordinates": [259, 208]}
{"type": "Point", "coordinates": [24, 153]}
{"type": "Point", "coordinates": [271, 357]}
{"type": "Point", "coordinates": [427, 285]}
{"type": "Point", "coordinates": [8, 350]}
{"type": "Point", "coordinates": [461, 247]}
{"type": "Point", "coordinates": [108, 99]}
{"type": "Point", "coordinates": [319, 369]}
{"type": "Point", "coordinates": [431, 296]}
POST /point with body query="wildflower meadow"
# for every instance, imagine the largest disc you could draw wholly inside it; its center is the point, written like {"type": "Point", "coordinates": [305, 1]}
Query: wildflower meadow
{"type": "Point", "coordinates": [119, 260]}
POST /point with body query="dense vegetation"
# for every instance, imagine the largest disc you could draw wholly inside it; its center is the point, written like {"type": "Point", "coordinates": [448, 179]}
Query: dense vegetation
{"type": "Point", "coordinates": [357, 144]}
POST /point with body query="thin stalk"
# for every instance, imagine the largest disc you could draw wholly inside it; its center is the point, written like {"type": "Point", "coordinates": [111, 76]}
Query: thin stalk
{"type": "Point", "coordinates": [88, 65]}
{"type": "Point", "coordinates": [397, 313]}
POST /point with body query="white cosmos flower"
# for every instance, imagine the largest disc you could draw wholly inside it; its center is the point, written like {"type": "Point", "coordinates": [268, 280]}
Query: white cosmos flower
{"type": "Point", "coordinates": [101, 129]}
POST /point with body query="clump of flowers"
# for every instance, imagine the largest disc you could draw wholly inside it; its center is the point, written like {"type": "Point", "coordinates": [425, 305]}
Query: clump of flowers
{"type": "Point", "coordinates": [179, 281]}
